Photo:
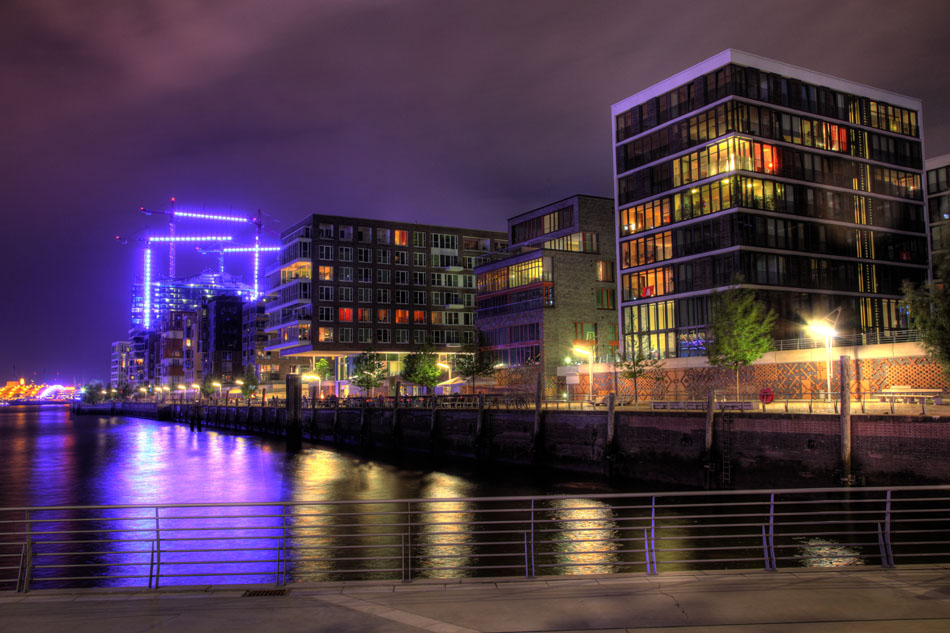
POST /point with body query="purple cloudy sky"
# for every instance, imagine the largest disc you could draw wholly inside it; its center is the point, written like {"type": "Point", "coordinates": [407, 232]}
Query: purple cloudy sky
{"type": "Point", "coordinates": [435, 111]}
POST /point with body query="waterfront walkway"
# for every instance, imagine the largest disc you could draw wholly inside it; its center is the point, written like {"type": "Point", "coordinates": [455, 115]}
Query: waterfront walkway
{"type": "Point", "coordinates": [909, 600]}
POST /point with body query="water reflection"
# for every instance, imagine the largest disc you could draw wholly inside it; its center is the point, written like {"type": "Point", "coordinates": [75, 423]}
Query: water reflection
{"type": "Point", "coordinates": [445, 539]}
{"type": "Point", "coordinates": [582, 537]}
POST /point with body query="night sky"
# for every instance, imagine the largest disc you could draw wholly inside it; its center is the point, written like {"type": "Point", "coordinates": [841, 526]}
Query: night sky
{"type": "Point", "coordinates": [441, 112]}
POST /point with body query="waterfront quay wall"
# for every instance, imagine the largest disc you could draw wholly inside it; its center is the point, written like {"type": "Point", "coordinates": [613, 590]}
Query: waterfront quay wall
{"type": "Point", "coordinates": [748, 449]}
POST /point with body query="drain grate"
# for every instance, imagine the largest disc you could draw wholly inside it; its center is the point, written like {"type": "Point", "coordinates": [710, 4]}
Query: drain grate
{"type": "Point", "coordinates": [265, 593]}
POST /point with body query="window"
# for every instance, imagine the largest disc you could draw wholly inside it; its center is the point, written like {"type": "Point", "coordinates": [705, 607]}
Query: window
{"type": "Point", "coordinates": [418, 279]}
{"type": "Point", "coordinates": [605, 299]}
{"type": "Point", "coordinates": [325, 231]}
{"type": "Point", "coordinates": [345, 294]}
{"type": "Point", "coordinates": [346, 233]}
{"type": "Point", "coordinates": [344, 273]}
{"type": "Point", "coordinates": [605, 271]}
{"type": "Point", "coordinates": [419, 259]}
{"type": "Point", "coordinates": [436, 279]}
{"type": "Point", "coordinates": [468, 318]}
{"type": "Point", "coordinates": [382, 295]}
{"type": "Point", "coordinates": [402, 296]}
{"type": "Point", "coordinates": [419, 239]}
{"type": "Point", "coordinates": [365, 295]}
{"type": "Point", "coordinates": [383, 236]}
{"type": "Point", "coordinates": [419, 337]}
{"type": "Point", "coordinates": [402, 336]}
{"type": "Point", "coordinates": [364, 315]}
{"type": "Point", "coordinates": [325, 313]}
{"type": "Point", "coordinates": [364, 255]}
{"type": "Point", "coordinates": [383, 276]}
{"type": "Point", "coordinates": [382, 256]}
{"type": "Point", "coordinates": [468, 300]}
{"type": "Point", "coordinates": [445, 240]}
{"type": "Point", "coordinates": [419, 316]}
{"type": "Point", "coordinates": [326, 252]}
{"type": "Point", "coordinates": [383, 336]}
{"type": "Point", "coordinates": [437, 299]}
{"type": "Point", "coordinates": [345, 315]}
{"type": "Point", "coordinates": [401, 258]}
{"type": "Point", "coordinates": [468, 337]}
{"type": "Point", "coordinates": [345, 253]}
{"type": "Point", "coordinates": [365, 335]}
{"type": "Point", "coordinates": [436, 318]}
{"type": "Point", "coordinates": [325, 335]}
{"type": "Point", "coordinates": [364, 275]}
{"type": "Point", "coordinates": [402, 277]}
{"type": "Point", "coordinates": [325, 273]}
{"type": "Point", "coordinates": [401, 238]}
{"type": "Point", "coordinates": [438, 337]}
{"type": "Point", "coordinates": [364, 234]}
{"type": "Point", "coordinates": [543, 224]}
{"type": "Point", "coordinates": [419, 297]}
{"type": "Point", "coordinates": [382, 315]}
{"type": "Point", "coordinates": [402, 316]}
{"type": "Point", "coordinates": [346, 335]}
{"type": "Point", "coordinates": [326, 293]}
{"type": "Point", "coordinates": [585, 331]}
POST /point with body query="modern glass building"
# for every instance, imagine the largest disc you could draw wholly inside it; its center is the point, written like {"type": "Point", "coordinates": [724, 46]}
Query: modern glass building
{"type": "Point", "coordinates": [938, 202]}
{"type": "Point", "coordinates": [743, 170]}
{"type": "Point", "coordinates": [184, 294]}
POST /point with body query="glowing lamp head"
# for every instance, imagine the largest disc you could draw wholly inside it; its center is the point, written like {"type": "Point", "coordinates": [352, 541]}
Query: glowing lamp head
{"type": "Point", "coordinates": [582, 351]}
{"type": "Point", "coordinates": [216, 384]}
{"type": "Point", "coordinates": [822, 329]}
{"type": "Point", "coordinates": [238, 382]}
{"type": "Point", "coordinates": [443, 365]}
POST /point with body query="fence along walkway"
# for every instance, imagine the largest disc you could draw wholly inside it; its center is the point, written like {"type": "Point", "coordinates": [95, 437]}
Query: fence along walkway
{"type": "Point", "coordinates": [181, 544]}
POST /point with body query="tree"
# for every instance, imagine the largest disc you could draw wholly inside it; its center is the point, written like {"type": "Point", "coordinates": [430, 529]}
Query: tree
{"type": "Point", "coordinates": [472, 362]}
{"type": "Point", "coordinates": [421, 367]}
{"type": "Point", "coordinates": [207, 388]}
{"type": "Point", "coordinates": [637, 363]}
{"type": "Point", "coordinates": [125, 390]}
{"type": "Point", "coordinates": [368, 371]}
{"type": "Point", "coordinates": [93, 392]}
{"type": "Point", "coordinates": [928, 306]}
{"type": "Point", "coordinates": [740, 331]}
{"type": "Point", "coordinates": [250, 383]}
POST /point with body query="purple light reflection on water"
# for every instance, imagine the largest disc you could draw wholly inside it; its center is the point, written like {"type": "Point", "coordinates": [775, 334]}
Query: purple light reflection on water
{"type": "Point", "coordinates": [49, 458]}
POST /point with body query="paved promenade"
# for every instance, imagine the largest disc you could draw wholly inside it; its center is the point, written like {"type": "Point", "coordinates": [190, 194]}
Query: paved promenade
{"type": "Point", "coordinates": [908, 600]}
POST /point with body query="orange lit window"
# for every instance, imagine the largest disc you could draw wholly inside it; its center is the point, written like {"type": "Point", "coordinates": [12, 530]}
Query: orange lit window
{"type": "Point", "coordinates": [325, 273]}
{"type": "Point", "coordinates": [402, 316]}
{"type": "Point", "coordinates": [437, 318]}
{"type": "Point", "coordinates": [401, 238]}
{"type": "Point", "coordinates": [365, 315]}
{"type": "Point", "coordinates": [605, 271]}
{"type": "Point", "coordinates": [382, 315]}
{"type": "Point", "coordinates": [346, 314]}
{"type": "Point", "coordinates": [418, 316]}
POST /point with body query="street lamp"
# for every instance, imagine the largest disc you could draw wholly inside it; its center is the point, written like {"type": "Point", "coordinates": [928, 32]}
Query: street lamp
{"type": "Point", "coordinates": [447, 368]}
{"type": "Point", "coordinates": [218, 385]}
{"type": "Point", "coordinates": [589, 353]}
{"type": "Point", "coordinates": [825, 328]}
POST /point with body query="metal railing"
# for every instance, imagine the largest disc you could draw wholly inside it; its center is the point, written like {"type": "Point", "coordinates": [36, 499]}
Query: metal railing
{"type": "Point", "coordinates": [182, 544]}
{"type": "Point", "coordinates": [850, 340]}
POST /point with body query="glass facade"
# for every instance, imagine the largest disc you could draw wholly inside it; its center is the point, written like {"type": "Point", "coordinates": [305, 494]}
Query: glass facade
{"type": "Point", "coordinates": [809, 195]}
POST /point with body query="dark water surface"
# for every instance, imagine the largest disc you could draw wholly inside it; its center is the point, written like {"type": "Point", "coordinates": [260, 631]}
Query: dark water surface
{"type": "Point", "coordinates": [49, 458]}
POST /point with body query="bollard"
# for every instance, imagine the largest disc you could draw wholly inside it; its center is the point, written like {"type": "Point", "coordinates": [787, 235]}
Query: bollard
{"type": "Point", "coordinates": [845, 417]}
{"type": "Point", "coordinates": [294, 426]}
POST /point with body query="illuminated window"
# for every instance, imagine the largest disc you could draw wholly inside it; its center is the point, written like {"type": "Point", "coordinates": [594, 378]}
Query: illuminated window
{"type": "Point", "coordinates": [325, 273]}
{"type": "Point", "coordinates": [418, 316]}
{"type": "Point", "coordinates": [605, 271]}
{"type": "Point", "coordinates": [325, 335]}
{"type": "Point", "coordinates": [365, 315]}
{"type": "Point", "coordinates": [345, 314]}
{"type": "Point", "coordinates": [402, 316]}
{"type": "Point", "coordinates": [382, 315]}
{"type": "Point", "coordinates": [401, 238]}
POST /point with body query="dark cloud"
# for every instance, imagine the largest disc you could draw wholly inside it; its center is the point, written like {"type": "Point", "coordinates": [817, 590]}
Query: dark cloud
{"type": "Point", "coordinates": [433, 111]}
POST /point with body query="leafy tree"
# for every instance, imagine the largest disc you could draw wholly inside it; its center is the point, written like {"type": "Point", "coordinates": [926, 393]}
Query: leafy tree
{"type": "Point", "coordinates": [472, 362]}
{"type": "Point", "coordinates": [637, 363]}
{"type": "Point", "coordinates": [740, 332]}
{"type": "Point", "coordinates": [125, 390]}
{"type": "Point", "coordinates": [368, 371]}
{"type": "Point", "coordinates": [207, 389]}
{"type": "Point", "coordinates": [928, 307]}
{"type": "Point", "coordinates": [250, 382]}
{"type": "Point", "coordinates": [421, 367]}
{"type": "Point", "coordinates": [93, 392]}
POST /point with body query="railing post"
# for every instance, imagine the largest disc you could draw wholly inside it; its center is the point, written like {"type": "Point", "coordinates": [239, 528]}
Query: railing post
{"type": "Point", "coordinates": [158, 550]}
{"type": "Point", "coordinates": [653, 533]}
{"type": "Point", "coordinates": [526, 569]}
{"type": "Point", "coordinates": [887, 531]}
{"type": "Point", "coordinates": [771, 534]}
{"type": "Point", "coordinates": [282, 545]}
{"type": "Point", "coordinates": [151, 564]}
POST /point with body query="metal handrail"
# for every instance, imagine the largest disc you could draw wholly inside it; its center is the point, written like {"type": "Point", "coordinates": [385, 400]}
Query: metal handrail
{"type": "Point", "coordinates": [435, 538]}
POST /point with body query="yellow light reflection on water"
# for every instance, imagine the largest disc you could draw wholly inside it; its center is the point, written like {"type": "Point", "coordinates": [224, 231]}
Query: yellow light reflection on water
{"type": "Point", "coordinates": [443, 548]}
{"type": "Point", "coordinates": [583, 545]}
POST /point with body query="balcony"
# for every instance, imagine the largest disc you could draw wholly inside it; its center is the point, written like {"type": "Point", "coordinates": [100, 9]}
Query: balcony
{"type": "Point", "coordinates": [297, 293]}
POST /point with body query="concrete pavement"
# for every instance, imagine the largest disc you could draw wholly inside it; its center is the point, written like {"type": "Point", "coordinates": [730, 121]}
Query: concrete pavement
{"type": "Point", "coordinates": [908, 600]}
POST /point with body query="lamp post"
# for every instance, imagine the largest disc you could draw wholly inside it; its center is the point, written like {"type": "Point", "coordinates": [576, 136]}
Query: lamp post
{"type": "Point", "coordinates": [589, 353]}
{"type": "Point", "coordinates": [197, 389]}
{"type": "Point", "coordinates": [218, 385]}
{"type": "Point", "coordinates": [825, 328]}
